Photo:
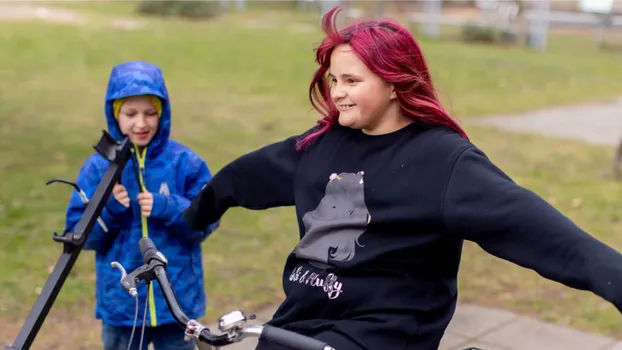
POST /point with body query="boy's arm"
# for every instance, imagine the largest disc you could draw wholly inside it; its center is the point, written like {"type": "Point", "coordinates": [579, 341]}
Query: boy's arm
{"type": "Point", "coordinates": [170, 208]}
{"type": "Point", "coordinates": [261, 179]}
{"type": "Point", "coordinates": [100, 238]}
{"type": "Point", "coordinates": [484, 205]}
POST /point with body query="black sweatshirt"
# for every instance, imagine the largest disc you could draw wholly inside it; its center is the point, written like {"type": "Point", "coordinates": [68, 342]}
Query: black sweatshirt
{"type": "Point", "coordinates": [382, 219]}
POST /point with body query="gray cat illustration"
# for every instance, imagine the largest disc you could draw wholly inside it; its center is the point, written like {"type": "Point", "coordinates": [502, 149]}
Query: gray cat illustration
{"type": "Point", "coordinates": [332, 230]}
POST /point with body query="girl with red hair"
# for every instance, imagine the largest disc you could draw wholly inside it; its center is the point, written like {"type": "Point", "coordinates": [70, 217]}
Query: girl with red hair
{"type": "Point", "coordinates": [386, 188]}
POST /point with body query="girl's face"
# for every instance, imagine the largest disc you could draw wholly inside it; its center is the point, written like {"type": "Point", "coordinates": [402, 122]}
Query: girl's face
{"type": "Point", "coordinates": [139, 119]}
{"type": "Point", "coordinates": [363, 99]}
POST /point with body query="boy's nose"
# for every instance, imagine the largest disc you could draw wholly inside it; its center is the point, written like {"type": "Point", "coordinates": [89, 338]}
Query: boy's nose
{"type": "Point", "coordinates": [140, 121]}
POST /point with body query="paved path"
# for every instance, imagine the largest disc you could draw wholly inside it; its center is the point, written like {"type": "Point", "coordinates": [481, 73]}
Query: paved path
{"type": "Point", "coordinates": [598, 122]}
{"type": "Point", "coordinates": [491, 329]}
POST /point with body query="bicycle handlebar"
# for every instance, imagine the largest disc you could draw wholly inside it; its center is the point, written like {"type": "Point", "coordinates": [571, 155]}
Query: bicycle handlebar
{"type": "Point", "coordinates": [233, 325]}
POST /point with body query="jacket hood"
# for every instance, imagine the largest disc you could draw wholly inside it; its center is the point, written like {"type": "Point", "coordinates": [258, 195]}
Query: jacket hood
{"type": "Point", "coordinates": [139, 78]}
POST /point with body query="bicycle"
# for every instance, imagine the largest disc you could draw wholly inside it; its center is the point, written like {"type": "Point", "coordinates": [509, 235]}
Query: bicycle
{"type": "Point", "coordinates": [233, 325]}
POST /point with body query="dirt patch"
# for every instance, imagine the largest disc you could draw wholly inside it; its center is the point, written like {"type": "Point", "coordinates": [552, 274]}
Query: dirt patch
{"type": "Point", "coordinates": [59, 331]}
{"type": "Point", "coordinates": [18, 12]}
{"type": "Point", "coordinates": [28, 12]}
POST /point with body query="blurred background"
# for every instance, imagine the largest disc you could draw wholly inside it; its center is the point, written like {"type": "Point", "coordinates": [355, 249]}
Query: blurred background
{"type": "Point", "coordinates": [238, 74]}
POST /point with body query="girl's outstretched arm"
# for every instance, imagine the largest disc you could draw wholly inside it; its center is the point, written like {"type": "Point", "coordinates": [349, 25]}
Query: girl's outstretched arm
{"type": "Point", "coordinates": [484, 205]}
{"type": "Point", "coordinates": [260, 179]}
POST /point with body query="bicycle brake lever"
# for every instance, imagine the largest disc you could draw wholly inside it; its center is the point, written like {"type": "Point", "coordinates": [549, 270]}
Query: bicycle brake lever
{"type": "Point", "coordinates": [83, 197]}
{"type": "Point", "coordinates": [129, 284]}
{"type": "Point", "coordinates": [67, 182]}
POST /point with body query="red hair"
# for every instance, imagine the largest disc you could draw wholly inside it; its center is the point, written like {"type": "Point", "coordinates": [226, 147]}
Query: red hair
{"type": "Point", "coordinates": [390, 51]}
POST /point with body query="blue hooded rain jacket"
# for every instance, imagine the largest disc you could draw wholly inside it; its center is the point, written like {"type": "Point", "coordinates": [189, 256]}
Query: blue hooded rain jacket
{"type": "Point", "coordinates": [174, 175]}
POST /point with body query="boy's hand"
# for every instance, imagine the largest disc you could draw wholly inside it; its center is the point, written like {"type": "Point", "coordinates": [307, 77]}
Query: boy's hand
{"type": "Point", "coordinates": [145, 199]}
{"type": "Point", "coordinates": [120, 194]}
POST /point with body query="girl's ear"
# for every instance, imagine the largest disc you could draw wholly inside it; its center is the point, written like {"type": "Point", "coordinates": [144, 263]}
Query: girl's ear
{"type": "Point", "coordinates": [393, 94]}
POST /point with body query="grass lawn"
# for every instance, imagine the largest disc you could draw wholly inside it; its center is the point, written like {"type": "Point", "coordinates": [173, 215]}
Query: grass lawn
{"type": "Point", "coordinates": [240, 82]}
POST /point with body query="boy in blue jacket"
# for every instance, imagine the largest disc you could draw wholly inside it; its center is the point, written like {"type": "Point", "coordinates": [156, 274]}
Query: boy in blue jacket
{"type": "Point", "coordinates": [170, 175]}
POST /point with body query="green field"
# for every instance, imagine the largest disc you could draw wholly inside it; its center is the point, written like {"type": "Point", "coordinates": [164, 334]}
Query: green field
{"type": "Point", "coordinates": [237, 83]}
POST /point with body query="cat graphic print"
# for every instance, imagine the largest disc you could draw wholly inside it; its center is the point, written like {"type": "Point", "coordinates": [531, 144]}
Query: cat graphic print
{"type": "Point", "coordinates": [333, 229]}
{"type": "Point", "coordinates": [332, 232]}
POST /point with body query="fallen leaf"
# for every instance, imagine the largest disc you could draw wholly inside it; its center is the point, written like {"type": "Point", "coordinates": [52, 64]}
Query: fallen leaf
{"type": "Point", "coordinates": [576, 203]}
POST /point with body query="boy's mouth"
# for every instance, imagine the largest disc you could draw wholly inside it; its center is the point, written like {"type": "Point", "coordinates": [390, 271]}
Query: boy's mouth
{"type": "Point", "coordinates": [142, 134]}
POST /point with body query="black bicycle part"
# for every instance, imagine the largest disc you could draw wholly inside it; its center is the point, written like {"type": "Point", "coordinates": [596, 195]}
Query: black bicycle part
{"type": "Point", "coordinates": [155, 268]}
{"type": "Point", "coordinates": [117, 153]}
{"type": "Point", "coordinates": [290, 339]}
{"type": "Point", "coordinates": [70, 183]}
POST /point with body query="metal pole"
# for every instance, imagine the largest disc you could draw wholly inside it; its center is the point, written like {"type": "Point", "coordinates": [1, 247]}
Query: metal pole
{"type": "Point", "coordinates": [327, 5]}
{"type": "Point", "coordinates": [433, 10]}
{"type": "Point", "coordinates": [240, 5]}
{"type": "Point", "coordinates": [539, 25]}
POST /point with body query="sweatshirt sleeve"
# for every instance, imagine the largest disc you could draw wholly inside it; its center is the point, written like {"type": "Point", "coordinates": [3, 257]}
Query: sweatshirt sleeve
{"type": "Point", "coordinates": [169, 208]}
{"type": "Point", "coordinates": [482, 204]}
{"type": "Point", "coordinates": [261, 179]}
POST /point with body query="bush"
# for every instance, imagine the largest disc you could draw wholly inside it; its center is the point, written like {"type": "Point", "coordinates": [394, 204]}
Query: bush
{"type": "Point", "coordinates": [162, 8]}
{"type": "Point", "coordinates": [474, 33]}
{"type": "Point", "coordinates": [198, 9]}
{"type": "Point", "coordinates": [185, 9]}
{"type": "Point", "coordinates": [272, 4]}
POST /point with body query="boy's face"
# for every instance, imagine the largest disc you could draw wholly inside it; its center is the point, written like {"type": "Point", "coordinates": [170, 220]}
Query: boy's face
{"type": "Point", "coordinates": [139, 119]}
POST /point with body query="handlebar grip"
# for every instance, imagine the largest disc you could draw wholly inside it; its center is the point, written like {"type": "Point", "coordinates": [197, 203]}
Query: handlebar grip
{"type": "Point", "coordinates": [291, 340]}
{"type": "Point", "coordinates": [145, 243]}
{"type": "Point", "coordinates": [147, 248]}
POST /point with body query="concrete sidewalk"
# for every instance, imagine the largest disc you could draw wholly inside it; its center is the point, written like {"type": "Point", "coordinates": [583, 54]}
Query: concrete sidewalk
{"type": "Point", "coordinates": [491, 329]}
{"type": "Point", "coordinates": [597, 122]}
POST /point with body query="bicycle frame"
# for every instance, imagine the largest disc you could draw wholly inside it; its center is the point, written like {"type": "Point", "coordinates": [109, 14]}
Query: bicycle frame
{"type": "Point", "coordinates": [117, 153]}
